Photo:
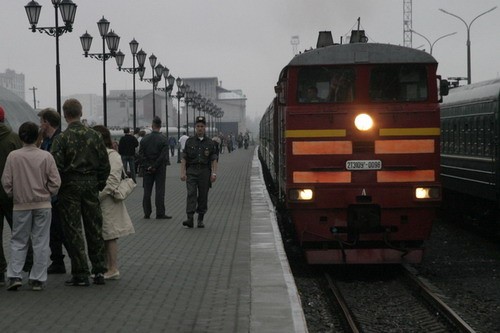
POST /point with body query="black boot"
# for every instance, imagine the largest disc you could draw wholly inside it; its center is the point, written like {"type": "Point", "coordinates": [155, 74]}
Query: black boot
{"type": "Point", "coordinates": [189, 222]}
{"type": "Point", "coordinates": [200, 221]}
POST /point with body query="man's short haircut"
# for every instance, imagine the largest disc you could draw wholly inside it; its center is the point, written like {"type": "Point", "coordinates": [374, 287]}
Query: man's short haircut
{"type": "Point", "coordinates": [126, 130]}
{"type": "Point", "coordinates": [51, 116]}
{"type": "Point", "coordinates": [157, 122]}
{"type": "Point", "coordinates": [72, 108]}
{"type": "Point", "coordinates": [28, 132]}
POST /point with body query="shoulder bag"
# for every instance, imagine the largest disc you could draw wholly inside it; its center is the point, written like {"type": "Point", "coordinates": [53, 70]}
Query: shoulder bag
{"type": "Point", "coordinates": [125, 187]}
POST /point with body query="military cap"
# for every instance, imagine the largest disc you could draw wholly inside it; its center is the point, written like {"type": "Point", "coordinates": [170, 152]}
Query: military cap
{"type": "Point", "coordinates": [201, 119]}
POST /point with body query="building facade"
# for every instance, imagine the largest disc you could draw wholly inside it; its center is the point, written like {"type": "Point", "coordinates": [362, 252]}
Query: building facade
{"type": "Point", "coordinates": [232, 102]}
{"type": "Point", "coordinates": [14, 82]}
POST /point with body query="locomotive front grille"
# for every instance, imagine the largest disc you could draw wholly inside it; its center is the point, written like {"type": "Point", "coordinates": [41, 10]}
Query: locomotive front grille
{"type": "Point", "coordinates": [363, 219]}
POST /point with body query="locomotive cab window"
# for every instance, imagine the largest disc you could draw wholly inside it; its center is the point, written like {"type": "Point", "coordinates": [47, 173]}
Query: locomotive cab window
{"type": "Point", "coordinates": [325, 85]}
{"type": "Point", "coordinates": [401, 83]}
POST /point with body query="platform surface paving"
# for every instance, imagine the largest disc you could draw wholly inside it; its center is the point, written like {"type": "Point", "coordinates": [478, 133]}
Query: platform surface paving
{"type": "Point", "coordinates": [231, 276]}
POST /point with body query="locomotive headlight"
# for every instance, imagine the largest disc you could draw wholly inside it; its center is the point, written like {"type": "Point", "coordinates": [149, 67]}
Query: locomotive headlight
{"type": "Point", "coordinates": [301, 194]}
{"type": "Point", "coordinates": [363, 122]}
{"type": "Point", "coordinates": [431, 193]}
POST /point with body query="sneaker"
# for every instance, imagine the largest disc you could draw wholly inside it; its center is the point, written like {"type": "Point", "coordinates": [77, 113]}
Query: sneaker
{"type": "Point", "coordinates": [163, 217]}
{"type": "Point", "coordinates": [14, 283]}
{"type": "Point", "coordinates": [78, 282]}
{"type": "Point", "coordinates": [112, 276]}
{"type": "Point", "coordinates": [99, 278]}
{"type": "Point", "coordinates": [200, 224]}
{"type": "Point", "coordinates": [56, 269]}
{"type": "Point", "coordinates": [37, 285]}
{"type": "Point", "coordinates": [188, 223]}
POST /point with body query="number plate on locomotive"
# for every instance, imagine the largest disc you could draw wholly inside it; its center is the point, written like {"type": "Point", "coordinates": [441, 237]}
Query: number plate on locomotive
{"type": "Point", "coordinates": [363, 165]}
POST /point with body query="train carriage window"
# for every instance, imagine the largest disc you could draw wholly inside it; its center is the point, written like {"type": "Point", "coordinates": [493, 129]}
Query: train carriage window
{"type": "Point", "coordinates": [325, 85]}
{"type": "Point", "coordinates": [399, 83]}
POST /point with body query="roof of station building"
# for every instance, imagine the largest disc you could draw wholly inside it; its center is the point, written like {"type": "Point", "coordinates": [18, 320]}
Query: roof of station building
{"type": "Point", "coordinates": [17, 111]}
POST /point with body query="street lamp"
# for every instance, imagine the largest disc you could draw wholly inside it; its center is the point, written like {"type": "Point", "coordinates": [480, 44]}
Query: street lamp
{"type": "Point", "coordinates": [187, 100]}
{"type": "Point", "coordinates": [157, 73]}
{"type": "Point", "coordinates": [68, 11]}
{"type": "Point", "coordinates": [431, 45]}
{"type": "Point", "coordinates": [180, 93]}
{"type": "Point", "coordinates": [113, 40]}
{"type": "Point", "coordinates": [141, 58]}
{"type": "Point", "coordinates": [169, 85]}
{"type": "Point", "coordinates": [468, 36]}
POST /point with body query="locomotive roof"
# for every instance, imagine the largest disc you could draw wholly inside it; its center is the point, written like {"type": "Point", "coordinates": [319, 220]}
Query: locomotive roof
{"type": "Point", "coordinates": [361, 53]}
{"type": "Point", "coordinates": [484, 90]}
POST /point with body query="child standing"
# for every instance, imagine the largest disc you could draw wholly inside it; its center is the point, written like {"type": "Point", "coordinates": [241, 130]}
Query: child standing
{"type": "Point", "coordinates": [31, 178]}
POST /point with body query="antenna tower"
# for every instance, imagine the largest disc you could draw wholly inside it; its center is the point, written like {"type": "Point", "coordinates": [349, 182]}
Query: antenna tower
{"type": "Point", "coordinates": [407, 25]}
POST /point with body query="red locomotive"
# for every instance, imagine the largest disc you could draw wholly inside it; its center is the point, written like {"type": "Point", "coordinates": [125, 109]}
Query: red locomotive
{"type": "Point", "coordinates": [351, 142]}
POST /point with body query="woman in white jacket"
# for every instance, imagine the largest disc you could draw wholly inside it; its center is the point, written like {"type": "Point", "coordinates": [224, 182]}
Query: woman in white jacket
{"type": "Point", "coordinates": [116, 221]}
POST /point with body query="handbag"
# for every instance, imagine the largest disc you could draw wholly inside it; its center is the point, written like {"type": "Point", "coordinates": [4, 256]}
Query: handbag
{"type": "Point", "coordinates": [125, 187]}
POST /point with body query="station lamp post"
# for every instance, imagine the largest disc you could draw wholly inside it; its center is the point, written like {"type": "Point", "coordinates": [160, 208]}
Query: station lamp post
{"type": "Point", "coordinates": [468, 36]}
{"type": "Point", "coordinates": [180, 93]}
{"type": "Point", "coordinates": [157, 72]}
{"type": "Point", "coordinates": [113, 40]}
{"type": "Point", "coordinates": [188, 100]}
{"type": "Point", "coordinates": [68, 11]}
{"type": "Point", "coordinates": [169, 85]}
{"type": "Point", "coordinates": [431, 45]}
{"type": "Point", "coordinates": [141, 58]}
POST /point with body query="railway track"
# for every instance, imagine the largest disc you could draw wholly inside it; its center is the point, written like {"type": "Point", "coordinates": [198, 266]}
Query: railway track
{"type": "Point", "coordinates": [393, 301]}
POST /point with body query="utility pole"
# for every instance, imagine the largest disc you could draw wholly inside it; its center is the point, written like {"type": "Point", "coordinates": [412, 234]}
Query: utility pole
{"type": "Point", "coordinates": [295, 42]}
{"type": "Point", "coordinates": [34, 96]}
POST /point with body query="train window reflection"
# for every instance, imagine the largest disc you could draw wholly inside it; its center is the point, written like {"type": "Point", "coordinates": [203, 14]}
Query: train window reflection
{"type": "Point", "coordinates": [325, 85]}
{"type": "Point", "coordinates": [402, 83]}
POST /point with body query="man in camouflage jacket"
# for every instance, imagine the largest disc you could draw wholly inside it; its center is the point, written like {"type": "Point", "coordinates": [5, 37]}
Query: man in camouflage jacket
{"type": "Point", "coordinates": [83, 163]}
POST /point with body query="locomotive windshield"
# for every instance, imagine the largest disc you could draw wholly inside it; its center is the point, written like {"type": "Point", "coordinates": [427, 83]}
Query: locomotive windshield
{"type": "Point", "coordinates": [326, 85]}
{"type": "Point", "coordinates": [401, 83]}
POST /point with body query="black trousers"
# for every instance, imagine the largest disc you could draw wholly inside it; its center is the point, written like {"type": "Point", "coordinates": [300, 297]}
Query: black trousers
{"type": "Point", "coordinates": [158, 180]}
{"type": "Point", "coordinates": [198, 184]}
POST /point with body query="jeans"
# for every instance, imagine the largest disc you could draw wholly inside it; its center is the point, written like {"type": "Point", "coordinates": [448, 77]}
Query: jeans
{"type": "Point", "coordinates": [130, 160]}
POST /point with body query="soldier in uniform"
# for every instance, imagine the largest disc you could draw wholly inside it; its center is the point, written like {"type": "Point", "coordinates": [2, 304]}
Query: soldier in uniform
{"type": "Point", "coordinates": [199, 170]}
{"type": "Point", "coordinates": [83, 163]}
{"type": "Point", "coordinates": [153, 152]}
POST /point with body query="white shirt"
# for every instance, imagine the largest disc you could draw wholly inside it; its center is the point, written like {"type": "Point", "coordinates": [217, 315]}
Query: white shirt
{"type": "Point", "coordinates": [182, 141]}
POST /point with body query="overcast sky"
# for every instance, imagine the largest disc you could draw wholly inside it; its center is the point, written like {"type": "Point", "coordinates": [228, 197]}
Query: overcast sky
{"type": "Point", "coordinates": [245, 43]}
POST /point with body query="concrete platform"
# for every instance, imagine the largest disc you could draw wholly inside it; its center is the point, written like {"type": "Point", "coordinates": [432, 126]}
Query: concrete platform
{"type": "Point", "coordinates": [232, 276]}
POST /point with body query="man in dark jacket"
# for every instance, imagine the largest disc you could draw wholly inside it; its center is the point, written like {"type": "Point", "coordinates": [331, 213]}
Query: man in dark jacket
{"type": "Point", "coordinates": [82, 160]}
{"type": "Point", "coordinates": [50, 121]}
{"type": "Point", "coordinates": [126, 148]}
{"type": "Point", "coordinates": [199, 171]}
{"type": "Point", "coordinates": [153, 152]}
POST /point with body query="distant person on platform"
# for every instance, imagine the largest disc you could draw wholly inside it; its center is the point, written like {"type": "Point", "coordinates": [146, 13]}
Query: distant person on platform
{"type": "Point", "coordinates": [182, 140]}
{"type": "Point", "coordinates": [198, 170]}
{"type": "Point", "coordinates": [50, 121]}
{"type": "Point", "coordinates": [126, 148]}
{"type": "Point", "coordinates": [31, 178]}
{"type": "Point", "coordinates": [9, 141]}
{"type": "Point", "coordinates": [153, 153]}
{"type": "Point", "coordinates": [172, 142]}
{"type": "Point", "coordinates": [82, 160]}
